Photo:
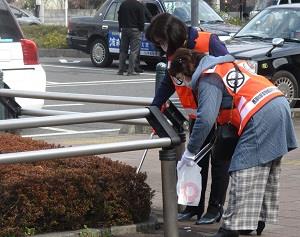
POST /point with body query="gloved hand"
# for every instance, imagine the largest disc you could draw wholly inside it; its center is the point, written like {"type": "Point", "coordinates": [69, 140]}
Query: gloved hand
{"type": "Point", "coordinates": [186, 159]}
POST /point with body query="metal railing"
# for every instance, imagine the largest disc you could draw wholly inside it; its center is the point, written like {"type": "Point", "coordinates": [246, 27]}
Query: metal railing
{"type": "Point", "coordinates": [170, 131]}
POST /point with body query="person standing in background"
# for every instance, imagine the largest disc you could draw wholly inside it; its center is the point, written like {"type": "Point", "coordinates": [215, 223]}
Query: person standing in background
{"type": "Point", "coordinates": [131, 18]}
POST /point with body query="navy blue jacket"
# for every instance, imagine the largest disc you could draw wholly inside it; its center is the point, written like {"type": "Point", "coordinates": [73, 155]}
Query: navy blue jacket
{"type": "Point", "coordinates": [166, 87]}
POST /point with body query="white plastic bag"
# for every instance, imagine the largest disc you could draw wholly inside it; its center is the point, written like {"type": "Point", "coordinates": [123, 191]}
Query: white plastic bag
{"type": "Point", "coordinates": [189, 185]}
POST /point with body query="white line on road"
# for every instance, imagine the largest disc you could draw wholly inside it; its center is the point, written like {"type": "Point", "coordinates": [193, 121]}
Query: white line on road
{"type": "Point", "coordinates": [93, 84]}
{"type": "Point", "coordinates": [89, 69]}
{"type": "Point", "coordinates": [57, 129]}
{"type": "Point", "coordinates": [100, 82]}
{"type": "Point", "coordinates": [72, 133]}
{"type": "Point", "coordinates": [62, 105]}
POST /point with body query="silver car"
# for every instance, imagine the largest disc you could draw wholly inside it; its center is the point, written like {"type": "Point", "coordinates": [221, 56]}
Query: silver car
{"type": "Point", "coordinates": [25, 17]}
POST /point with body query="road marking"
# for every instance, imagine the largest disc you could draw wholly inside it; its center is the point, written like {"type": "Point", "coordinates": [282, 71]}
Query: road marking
{"type": "Point", "coordinates": [62, 105]}
{"type": "Point", "coordinates": [70, 132]}
{"type": "Point", "coordinates": [90, 69]}
{"type": "Point", "coordinates": [67, 61]}
{"type": "Point", "coordinates": [108, 81]}
{"type": "Point", "coordinates": [94, 84]}
{"type": "Point", "coordinates": [57, 129]}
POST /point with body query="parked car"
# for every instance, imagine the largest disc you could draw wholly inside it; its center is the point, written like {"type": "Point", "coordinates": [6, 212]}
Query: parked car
{"type": "Point", "coordinates": [99, 35]}
{"type": "Point", "coordinates": [25, 17]}
{"type": "Point", "coordinates": [19, 59]}
{"type": "Point", "coordinates": [270, 43]}
{"type": "Point", "coordinates": [262, 4]}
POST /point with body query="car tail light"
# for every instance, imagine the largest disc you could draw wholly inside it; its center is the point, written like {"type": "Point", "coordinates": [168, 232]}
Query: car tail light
{"type": "Point", "coordinates": [30, 52]}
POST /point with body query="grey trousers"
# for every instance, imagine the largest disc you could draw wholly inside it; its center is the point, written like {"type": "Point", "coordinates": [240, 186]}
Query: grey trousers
{"type": "Point", "coordinates": [131, 38]}
{"type": "Point", "coordinates": [253, 197]}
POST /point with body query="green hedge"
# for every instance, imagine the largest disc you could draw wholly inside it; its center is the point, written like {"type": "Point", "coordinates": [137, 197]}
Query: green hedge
{"type": "Point", "coordinates": [68, 194]}
{"type": "Point", "coordinates": [46, 36]}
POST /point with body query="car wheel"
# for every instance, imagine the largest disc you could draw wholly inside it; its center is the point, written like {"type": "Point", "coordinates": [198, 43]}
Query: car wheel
{"type": "Point", "coordinates": [288, 84]}
{"type": "Point", "coordinates": [100, 55]}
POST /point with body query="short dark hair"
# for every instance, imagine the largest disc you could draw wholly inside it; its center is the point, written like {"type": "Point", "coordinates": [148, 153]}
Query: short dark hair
{"type": "Point", "coordinates": [185, 61]}
{"type": "Point", "coordinates": [168, 28]}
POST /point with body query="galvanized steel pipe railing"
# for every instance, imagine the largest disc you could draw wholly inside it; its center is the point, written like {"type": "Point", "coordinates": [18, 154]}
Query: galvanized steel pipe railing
{"type": "Point", "coordinates": [107, 99]}
{"type": "Point", "coordinates": [76, 118]}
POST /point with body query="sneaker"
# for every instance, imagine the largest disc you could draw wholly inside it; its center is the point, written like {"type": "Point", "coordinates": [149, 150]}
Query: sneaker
{"type": "Point", "coordinates": [132, 74]}
{"type": "Point", "coordinates": [139, 70]}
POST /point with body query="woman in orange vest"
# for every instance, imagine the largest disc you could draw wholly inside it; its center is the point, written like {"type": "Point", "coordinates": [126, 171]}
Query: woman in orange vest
{"type": "Point", "coordinates": [265, 131]}
{"type": "Point", "coordinates": [169, 33]}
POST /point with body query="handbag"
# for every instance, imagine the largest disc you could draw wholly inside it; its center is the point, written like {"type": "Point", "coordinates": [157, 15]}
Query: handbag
{"type": "Point", "coordinates": [226, 134]}
{"type": "Point", "coordinates": [226, 141]}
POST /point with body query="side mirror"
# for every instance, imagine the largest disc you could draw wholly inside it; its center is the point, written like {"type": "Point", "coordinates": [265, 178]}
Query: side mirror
{"type": "Point", "coordinates": [278, 42]}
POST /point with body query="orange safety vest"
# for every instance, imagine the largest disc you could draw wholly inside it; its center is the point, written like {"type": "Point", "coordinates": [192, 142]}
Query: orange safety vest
{"type": "Point", "coordinates": [252, 92]}
{"type": "Point", "coordinates": [184, 93]}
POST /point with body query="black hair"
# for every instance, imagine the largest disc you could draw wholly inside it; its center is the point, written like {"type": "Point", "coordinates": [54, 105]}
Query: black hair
{"type": "Point", "coordinates": [169, 29]}
{"type": "Point", "coordinates": [185, 61]}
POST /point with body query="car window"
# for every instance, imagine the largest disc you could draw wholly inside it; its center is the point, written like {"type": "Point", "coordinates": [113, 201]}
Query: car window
{"type": "Point", "coordinates": [283, 2]}
{"type": "Point", "coordinates": [182, 9]}
{"type": "Point", "coordinates": [9, 30]}
{"type": "Point", "coordinates": [151, 10]}
{"type": "Point", "coordinates": [111, 14]}
{"type": "Point", "coordinates": [295, 1]}
{"type": "Point", "coordinates": [274, 23]}
{"type": "Point", "coordinates": [16, 12]}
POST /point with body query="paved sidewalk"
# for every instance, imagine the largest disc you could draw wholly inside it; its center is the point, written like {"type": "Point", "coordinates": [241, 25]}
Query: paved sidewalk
{"type": "Point", "coordinates": [289, 216]}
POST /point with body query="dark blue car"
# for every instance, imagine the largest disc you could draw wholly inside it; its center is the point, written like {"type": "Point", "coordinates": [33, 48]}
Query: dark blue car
{"type": "Point", "coordinates": [98, 35]}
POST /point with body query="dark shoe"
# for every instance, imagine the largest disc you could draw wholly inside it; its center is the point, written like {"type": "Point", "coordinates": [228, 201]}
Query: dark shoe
{"type": "Point", "coordinates": [226, 233]}
{"type": "Point", "coordinates": [185, 216]}
{"type": "Point", "coordinates": [132, 73]}
{"type": "Point", "coordinates": [245, 232]}
{"type": "Point", "coordinates": [260, 227]}
{"type": "Point", "coordinates": [213, 214]}
{"type": "Point", "coordinates": [120, 72]}
{"type": "Point", "coordinates": [139, 70]}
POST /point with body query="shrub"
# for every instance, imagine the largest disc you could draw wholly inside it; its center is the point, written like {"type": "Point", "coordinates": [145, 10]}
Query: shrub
{"type": "Point", "coordinates": [46, 36]}
{"type": "Point", "coordinates": [67, 194]}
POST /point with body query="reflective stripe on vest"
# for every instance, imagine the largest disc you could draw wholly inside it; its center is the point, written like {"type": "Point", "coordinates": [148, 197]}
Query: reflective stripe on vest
{"type": "Point", "coordinates": [184, 93]}
{"type": "Point", "coordinates": [252, 92]}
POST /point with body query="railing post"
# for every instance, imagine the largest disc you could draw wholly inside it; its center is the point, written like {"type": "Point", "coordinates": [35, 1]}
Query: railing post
{"type": "Point", "coordinates": [168, 175]}
{"type": "Point", "coordinates": [2, 107]}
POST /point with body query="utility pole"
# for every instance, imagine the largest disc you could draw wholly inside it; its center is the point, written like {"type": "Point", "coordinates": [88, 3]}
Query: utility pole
{"type": "Point", "coordinates": [66, 12]}
{"type": "Point", "coordinates": [195, 13]}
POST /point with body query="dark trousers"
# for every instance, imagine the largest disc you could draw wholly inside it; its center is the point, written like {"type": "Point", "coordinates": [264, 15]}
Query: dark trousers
{"type": "Point", "coordinates": [219, 183]}
{"type": "Point", "coordinates": [131, 38]}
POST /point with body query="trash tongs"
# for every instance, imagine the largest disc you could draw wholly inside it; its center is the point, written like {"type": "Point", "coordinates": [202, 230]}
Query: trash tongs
{"type": "Point", "coordinates": [205, 150]}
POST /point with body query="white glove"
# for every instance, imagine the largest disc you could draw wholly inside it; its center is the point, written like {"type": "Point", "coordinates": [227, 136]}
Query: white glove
{"type": "Point", "coordinates": [186, 159]}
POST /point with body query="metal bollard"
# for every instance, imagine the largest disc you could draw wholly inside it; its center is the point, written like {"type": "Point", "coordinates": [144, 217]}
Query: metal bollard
{"type": "Point", "coordinates": [168, 176]}
{"type": "Point", "coordinates": [2, 107]}
{"type": "Point", "coordinates": [160, 73]}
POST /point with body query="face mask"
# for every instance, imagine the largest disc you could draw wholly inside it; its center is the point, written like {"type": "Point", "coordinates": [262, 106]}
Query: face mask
{"type": "Point", "coordinates": [164, 47]}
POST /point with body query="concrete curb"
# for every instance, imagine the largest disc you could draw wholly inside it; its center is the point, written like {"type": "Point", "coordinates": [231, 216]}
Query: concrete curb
{"type": "Point", "coordinates": [150, 225]}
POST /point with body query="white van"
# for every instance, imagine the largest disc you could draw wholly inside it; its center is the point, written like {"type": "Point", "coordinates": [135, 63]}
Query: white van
{"type": "Point", "coordinates": [262, 4]}
{"type": "Point", "coordinates": [19, 59]}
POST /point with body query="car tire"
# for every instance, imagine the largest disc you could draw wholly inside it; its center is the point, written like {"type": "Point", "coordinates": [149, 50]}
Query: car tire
{"type": "Point", "coordinates": [288, 84]}
{"type": "Point", "coordinates": [99, 53]}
